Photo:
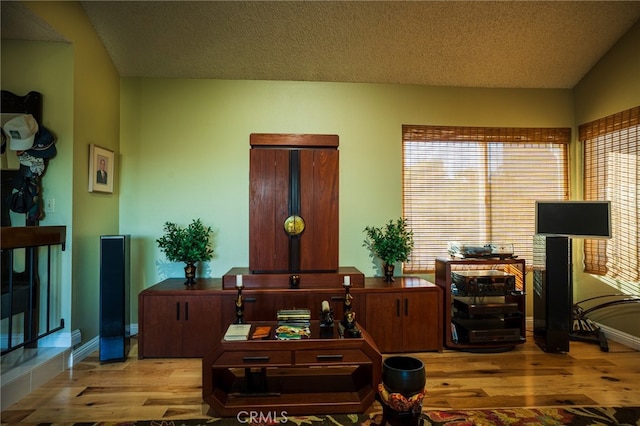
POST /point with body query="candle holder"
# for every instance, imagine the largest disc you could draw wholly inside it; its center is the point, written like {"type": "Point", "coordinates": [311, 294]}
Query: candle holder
{"type": "Point", "coordinates": [348, 298]}
{"type": "Point", "coordinates": [239, 307]}
{"type": "Point", "coordinates": [348, 326]}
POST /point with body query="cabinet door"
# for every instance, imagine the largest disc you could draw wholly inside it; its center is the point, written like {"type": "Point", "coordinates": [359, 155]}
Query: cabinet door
{"type": "Point", "coordinates": [269, 203]}
{"type": "Point", "coordinates": [319, 209]}
{"type": "Point", "coordinates": [421, 313]}
{"type": "Point", "coordinates": [162, 332]}
{"type": "Point", "coordinates": [384, 320]}
{"type": "Point", "coordinates": [201, 325]}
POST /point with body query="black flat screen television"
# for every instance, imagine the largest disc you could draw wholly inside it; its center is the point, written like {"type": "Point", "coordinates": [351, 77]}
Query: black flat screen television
{"type": "Point", "coordinates": [580, 219]}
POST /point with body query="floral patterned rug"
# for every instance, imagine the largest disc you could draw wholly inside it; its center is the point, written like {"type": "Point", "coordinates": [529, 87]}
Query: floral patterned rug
{"type": "Point", "coordinates": [577, 416]}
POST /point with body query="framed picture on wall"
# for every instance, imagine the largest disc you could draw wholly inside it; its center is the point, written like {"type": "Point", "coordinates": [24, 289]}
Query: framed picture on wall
{"type": "Point", "coordinates": [101, 169]}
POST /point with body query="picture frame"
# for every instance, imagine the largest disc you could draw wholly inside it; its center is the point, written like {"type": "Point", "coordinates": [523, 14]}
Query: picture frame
{"type": "Point", "coordinates": [101, 169]}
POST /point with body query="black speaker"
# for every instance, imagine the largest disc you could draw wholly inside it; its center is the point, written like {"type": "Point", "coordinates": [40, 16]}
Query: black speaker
{"type": "Point", "coordinates": [552, 293]}
{"type": "Point", "coordinates": [114, 297]}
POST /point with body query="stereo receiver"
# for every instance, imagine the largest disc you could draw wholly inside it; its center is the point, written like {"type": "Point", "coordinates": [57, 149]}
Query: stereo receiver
{"type": "Point", "coordinates": [482, 283]}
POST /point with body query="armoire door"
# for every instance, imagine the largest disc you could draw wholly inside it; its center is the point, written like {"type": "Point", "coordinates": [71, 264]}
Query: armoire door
{"type": "Point", "coordinates": [268, 207]}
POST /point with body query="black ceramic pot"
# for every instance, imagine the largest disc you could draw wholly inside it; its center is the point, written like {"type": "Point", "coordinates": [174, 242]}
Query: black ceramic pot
{"type": "Point", "coordinates": [403, 374]}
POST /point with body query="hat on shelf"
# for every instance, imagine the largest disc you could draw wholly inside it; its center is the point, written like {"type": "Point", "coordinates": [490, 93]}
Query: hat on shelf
{"type": "Point", "coordinates": [43, 145]}
{"type": "Point", "coordinates": [21, 131]}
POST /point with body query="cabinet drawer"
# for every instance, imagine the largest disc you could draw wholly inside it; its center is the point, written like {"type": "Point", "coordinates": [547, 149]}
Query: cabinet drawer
{"type": "Point", "coordinates": [254, 359]}
{"type": "Point", "coordinates": [347, 356]}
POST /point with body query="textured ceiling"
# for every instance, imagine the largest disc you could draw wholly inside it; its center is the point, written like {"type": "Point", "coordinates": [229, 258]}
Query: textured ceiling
{"type": "Point", "coordinates": [529, 44]}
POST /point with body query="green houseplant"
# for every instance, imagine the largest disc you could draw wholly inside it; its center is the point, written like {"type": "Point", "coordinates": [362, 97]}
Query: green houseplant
{"type": "Point", "coordinates": [190, 245]}
{"type": "Point", "coordinates": [392, 243]}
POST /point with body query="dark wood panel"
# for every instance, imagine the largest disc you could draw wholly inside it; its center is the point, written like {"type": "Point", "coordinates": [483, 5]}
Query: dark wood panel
{"type": "Point", "coordinates": [384, 320]}
{"type": "Point", "coordinates": [201, 329]}
{"type": "Point", "coordinates": [293, 140]}
{"type": "Point", "coordinates": [308, 280]}
{"type": "Point", "coordinates": [405, 321]}
{"type": "Point", "coordinates": [160, 330]}
{"type": "Point", "coordinates": [12, 237]}
{"type": "Point", "coordinates": [421, 312]}
{"type": "Point", "coordinates": [319, 188]}
{"type": "Point", "coordinates": [268, 209]}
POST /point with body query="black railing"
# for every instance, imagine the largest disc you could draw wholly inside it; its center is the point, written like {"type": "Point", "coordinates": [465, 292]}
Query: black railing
{"type": "Point", "coordinates": [21, 291]}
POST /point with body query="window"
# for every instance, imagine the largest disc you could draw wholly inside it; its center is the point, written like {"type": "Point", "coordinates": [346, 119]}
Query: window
{"type": "Point", "coordinates": [478, 185]}
{"type": "Point", "coordinates": [611, 172]}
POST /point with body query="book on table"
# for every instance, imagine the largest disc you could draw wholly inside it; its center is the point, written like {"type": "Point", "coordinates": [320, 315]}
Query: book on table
{"type": "Point", "coordinates": [293, 314]}
{"type": "Point", "coordinates": [237, 332]}
{"type": "Point", "coordinates": [261, 332]}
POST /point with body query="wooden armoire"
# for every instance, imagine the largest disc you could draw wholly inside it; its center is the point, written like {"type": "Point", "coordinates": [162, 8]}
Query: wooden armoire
{"type": "Point", "coordinates": [294, 178]}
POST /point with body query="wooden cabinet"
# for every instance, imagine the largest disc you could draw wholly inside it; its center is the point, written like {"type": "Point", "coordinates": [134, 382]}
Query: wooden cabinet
{"type": "Point", "coordinates": [405, 320]}
{"type": "Point", "coordinates": [293, 175]}
{"type": "Point", "coordinates": [177, 322]}
{"type": "Point", "coordinates": [484, 304]}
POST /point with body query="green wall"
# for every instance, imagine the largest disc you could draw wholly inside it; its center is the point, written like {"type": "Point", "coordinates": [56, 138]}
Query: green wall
{"type": "Point", "coordinates": [185, 149]}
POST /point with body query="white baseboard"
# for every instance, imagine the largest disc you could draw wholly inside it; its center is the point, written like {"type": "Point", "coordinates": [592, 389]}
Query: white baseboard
{"type": "Point", "coordinates": [59, 339]}
{"type": "Point", "coordinates": [612, 334]}
{"type": "Point", "coordinates": [84, 351]}
{"type": "Point", "coordinates": [93, 345]}
{"type": "Point", "coordinates": [623, 338]}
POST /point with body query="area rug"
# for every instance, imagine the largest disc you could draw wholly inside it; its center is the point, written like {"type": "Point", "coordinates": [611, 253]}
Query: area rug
{"type": "Point", "coordinates": [576, 416]}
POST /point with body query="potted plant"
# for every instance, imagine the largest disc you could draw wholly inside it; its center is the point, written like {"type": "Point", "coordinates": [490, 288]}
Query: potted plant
{"type": "Point", "coordinates": [391, 243]}
{"type": "Point", "coordinates": [189, 245]}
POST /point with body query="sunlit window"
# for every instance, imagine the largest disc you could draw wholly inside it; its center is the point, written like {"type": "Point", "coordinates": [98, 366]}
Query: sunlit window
{"type": "Point", "coordinates": [611, 172]}
{"type": "Point", "coordinates": [478, 185]}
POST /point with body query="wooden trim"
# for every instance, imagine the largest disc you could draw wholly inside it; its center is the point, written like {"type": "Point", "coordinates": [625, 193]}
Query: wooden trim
{"type": "Point", "coordinates": [293, 140]}
{"type": "Point", "coordinates": [13, 237]}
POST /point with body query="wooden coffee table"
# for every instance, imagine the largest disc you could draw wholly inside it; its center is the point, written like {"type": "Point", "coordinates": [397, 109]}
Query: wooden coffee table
{"type": "Point", "coordinates": [322, 374]}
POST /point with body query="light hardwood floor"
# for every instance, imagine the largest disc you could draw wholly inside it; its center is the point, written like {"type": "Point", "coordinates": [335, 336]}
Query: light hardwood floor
{"type": "Point", "coordinates": [171, 388]}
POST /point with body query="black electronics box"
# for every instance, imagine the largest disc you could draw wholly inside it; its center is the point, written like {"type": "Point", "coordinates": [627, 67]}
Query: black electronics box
{"type": "Point", "coordinates": [483, 309]}
{"type": "Point", "coordinates": [482, 283]}
{"type": "Point", "coordinates": [489, 331]}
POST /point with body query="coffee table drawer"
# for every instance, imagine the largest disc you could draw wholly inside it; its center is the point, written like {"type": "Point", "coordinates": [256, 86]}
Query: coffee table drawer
{"type": "Point", "coordinates": [331, 356]}
{"type": "Point", "coordinates": [253, 359]}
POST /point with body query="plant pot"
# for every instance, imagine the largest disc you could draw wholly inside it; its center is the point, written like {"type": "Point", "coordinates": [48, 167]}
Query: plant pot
{"type": "Point", "coordinates": [388, 272]}
{"type": "Point", "coordinates": [404, 375]}
{"type": "Point", "coordinates": [190, 273]}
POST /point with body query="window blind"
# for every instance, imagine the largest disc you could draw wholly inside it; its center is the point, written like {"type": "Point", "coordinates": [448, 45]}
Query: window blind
{"type": "Point", "coordinates": [478, 185]}
{"type": "Point", "coordinates": [611, 172]}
